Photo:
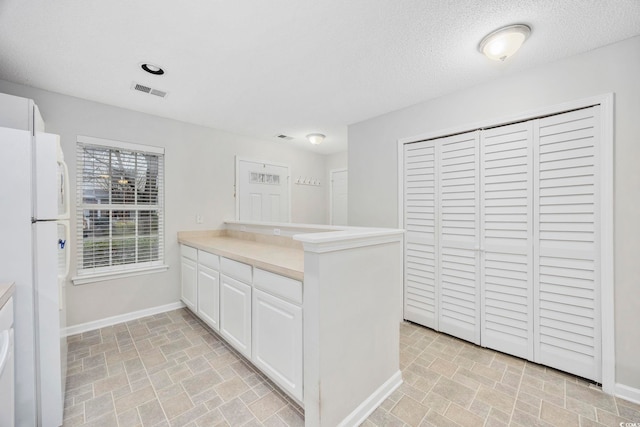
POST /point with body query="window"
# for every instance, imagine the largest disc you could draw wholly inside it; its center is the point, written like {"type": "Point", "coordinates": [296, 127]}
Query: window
{"type": "Point", "coordinates": [120, 209]}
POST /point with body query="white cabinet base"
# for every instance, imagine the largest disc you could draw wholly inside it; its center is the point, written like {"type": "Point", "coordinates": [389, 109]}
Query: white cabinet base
{"type": "Point", "coordinates": [277, 341]}
{"type": "Point", "coordinates": [235, 314]}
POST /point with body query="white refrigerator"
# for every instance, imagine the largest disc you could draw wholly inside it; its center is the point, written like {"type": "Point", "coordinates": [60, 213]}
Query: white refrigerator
{"type": "Point", "coordinates": [34, 254]}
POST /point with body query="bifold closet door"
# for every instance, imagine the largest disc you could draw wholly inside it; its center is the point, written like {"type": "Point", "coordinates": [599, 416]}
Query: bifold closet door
{"type": "Point", "coordinates": [506, 175]}
{"type": "Point", "coordinates": [420, 297]}
{"type": "Point", "coordinates": [566, 243]}
{"type": "Point", "coordinates": [458, 236]}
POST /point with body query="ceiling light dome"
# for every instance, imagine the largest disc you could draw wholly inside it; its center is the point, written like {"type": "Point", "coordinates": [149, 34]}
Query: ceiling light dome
{"type": "Point", "coordinates": [315, 138]}
{"type": "Point", "coordinates": [504, 42]}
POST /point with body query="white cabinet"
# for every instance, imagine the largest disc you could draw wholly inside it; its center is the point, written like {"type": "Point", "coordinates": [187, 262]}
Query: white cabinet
{"type": "Point", "coordinates": [259, 313]}
{"type": "Point", "coordinates": [209, 296]}
{"type": "Point", "coordinates": [235, 313]}
{"type": "Point", "coordinates": [189, 273]}
{"type": "Point", "coordinates": [277, 330]}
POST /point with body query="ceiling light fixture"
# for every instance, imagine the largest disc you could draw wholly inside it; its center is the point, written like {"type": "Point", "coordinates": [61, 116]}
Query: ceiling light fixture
{"type": "Point", "coordinates": [315, 138]}
{"type": "Point", "coordinates": [504, 42]}
{"type": "Point", "coordinates": [152, 69]}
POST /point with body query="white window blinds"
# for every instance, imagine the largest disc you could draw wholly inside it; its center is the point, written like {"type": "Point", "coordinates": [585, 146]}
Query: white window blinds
{"type": "Point", "coordinates": [120, 206]}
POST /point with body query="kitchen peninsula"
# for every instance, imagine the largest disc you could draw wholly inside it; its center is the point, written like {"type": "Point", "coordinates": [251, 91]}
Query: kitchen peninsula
{"type": "Point", "coordinates": [315, 308]}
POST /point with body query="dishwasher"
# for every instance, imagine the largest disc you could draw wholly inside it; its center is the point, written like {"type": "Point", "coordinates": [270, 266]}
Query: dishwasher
{"type": "Point", "coordinates": [7, 397]}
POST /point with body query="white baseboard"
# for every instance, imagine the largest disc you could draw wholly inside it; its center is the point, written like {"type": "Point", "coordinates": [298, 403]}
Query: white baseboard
{"type": "Point", "coordinates": [628, 393]}
{"type": "Point", "coordinates": [370, 404]}
{"type": "Point", "coordinates": [114, 320]}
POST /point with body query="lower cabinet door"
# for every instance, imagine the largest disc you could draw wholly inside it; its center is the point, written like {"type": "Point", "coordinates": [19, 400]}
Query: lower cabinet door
{"type": "Point", "coordinates": [189, 271]}
{"type": "Point", "coordinates": [235, 314]}
{"type": "Point", "coordinates": [277, 341]}
{"type": "Point", "coordinates": [209, 296]}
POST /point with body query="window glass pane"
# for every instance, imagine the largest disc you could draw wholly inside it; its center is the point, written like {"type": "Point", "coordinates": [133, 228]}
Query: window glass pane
{"type": "Point", "coordinates": [119, 212]}
{"type": "Point", "coordinates": [96, 176]}
{"type": "Point", "coordinates": [147, 179]}
{"type": "Point", "coordinates": [96, 246]}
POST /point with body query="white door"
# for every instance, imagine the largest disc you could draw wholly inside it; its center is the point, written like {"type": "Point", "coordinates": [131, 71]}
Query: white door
{"type": "Point", "coordinates": [420, 223]}
{"type": "Point", "coordinates": [209, 296]}
{"type": "Point", "coordinates": [506, 174]}
{"type": "Point", "coordinates": [339, 190]}
{"type": "Point", "coordinates": [262, 191]}
{"type": "Point", "coordinates": [277, 340]}
{"type": "Point", "coordinates": [459, 293]}
{"type": "Point", "coordinates": [567, 240]}
{"type": "Point", "coordinates": [235, 314]}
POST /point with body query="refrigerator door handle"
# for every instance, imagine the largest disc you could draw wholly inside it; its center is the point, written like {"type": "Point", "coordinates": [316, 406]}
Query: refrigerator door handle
{"type": "Point", "coordinates": [64, 245]}
{"type": "Point", "coordinates": [66, 210]}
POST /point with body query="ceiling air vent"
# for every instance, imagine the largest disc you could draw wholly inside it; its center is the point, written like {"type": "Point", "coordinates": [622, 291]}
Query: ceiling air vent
{"type": "Point", "coordinates": [148, 90]}
{"type": "Point", "coordinates": [284, 137]}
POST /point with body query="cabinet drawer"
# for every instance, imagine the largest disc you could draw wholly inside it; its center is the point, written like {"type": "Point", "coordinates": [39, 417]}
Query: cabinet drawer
{"type": "Point", "coordinates": [189, 252]}
{"type": "Point", "coordinates": [209, 260]}
{"type": "Point", "coordinates": [236, 270]}
{"type": "Point", "coordinates": [275, 284]}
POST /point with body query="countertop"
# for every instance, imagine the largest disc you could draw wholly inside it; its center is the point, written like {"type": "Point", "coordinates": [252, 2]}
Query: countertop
{"type": "Point", "coordinates": [6, 292]}
{"type": "Point", "coordinates": [282, 260]}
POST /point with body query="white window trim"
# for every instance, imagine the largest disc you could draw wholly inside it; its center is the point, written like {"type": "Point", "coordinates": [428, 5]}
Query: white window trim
{"type": "Point", "coordinates": [137, 269]}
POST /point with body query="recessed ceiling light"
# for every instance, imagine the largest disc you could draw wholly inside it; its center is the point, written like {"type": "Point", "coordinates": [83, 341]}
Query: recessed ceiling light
{"type": "Point", "coordinates": [152, 69]}
{"type": "Point", "coordinates": [504, 42]}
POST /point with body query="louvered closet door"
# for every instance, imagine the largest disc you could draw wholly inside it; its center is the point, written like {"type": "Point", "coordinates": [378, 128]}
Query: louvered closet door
{"type": "Point", "coordinates": [459, 292]}
{"type": "Point", "coordinates": [566, 243]}
{"type": "Point", "coordinates": [506, 174]}
{"type": "Point", "coordinates": [420, 302]}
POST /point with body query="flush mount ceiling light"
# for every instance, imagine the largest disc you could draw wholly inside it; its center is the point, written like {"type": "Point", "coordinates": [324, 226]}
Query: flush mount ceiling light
{"type": "Point", "coordinates": [315, 138]}
{"type": "Point", "coordinates": [504, 42]}
{"type": "Point", "coordinates": [152, 69]}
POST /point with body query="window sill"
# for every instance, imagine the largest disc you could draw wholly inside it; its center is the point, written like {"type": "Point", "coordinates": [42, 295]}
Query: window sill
{"type": "Point", "coordinates": [111, 275]}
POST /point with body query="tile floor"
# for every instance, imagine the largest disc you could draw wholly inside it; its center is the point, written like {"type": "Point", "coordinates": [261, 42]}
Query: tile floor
{"type": "Point", "coordinates": [170, 370]}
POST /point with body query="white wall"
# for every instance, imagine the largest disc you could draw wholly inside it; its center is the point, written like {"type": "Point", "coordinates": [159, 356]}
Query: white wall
{"type": "Point", "coordinates": [199, 164]}
{"type": "Point", "coordinates": [373, 183]}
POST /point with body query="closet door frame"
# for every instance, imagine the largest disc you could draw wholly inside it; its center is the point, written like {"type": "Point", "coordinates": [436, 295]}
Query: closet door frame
{"type": "Point", "coordinates": [607, 277]}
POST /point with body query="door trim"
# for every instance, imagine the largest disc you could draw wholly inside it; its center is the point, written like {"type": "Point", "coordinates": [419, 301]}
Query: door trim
{"type": "Point", "coordinates": [237, 181]}
{"type": "Point", "coordinates": [331, 172]}
{"type": "Point", "coordinates": [607, 279]}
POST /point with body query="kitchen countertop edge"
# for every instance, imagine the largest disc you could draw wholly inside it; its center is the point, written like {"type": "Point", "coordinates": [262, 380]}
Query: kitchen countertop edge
{"type": "Point", "coordinates": [216, 245]}
{"type": "Point", "coordinates": [6, 292]}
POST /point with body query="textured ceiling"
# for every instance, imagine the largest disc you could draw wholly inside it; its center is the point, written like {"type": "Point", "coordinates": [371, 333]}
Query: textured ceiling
{"type": "Point", "coordinates": [262, 68]}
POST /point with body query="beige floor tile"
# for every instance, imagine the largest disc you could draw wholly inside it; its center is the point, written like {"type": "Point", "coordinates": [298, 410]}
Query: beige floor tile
{"type": "Point", "coordinates": [558, 416]}
{"type": "Point", "coordinates": [496, 399]}
{"type": "Point", "coordinates": [97, 407]}
{"type": "Point", "coordinates": [151, 413]}
{"type": "Point", "coordinates": [436, 420]}
{"type": "Point", "coordinates": [454, 391]}
{"type": "Point", "coordinates": [231, 389]}
{"type": "Point", "coordinates": [200, 382]}
{"type": "Point", "coordinates": [267, 406]}
{"type": "Point", "coordinates": [410, 411]}
{"type": "Point", "coordinates": [134, 399]}
{"type": "Point", "coordinates": [463, 417]}
{"type": "Point", "coordinates": [236, 412]}
{"type": "Point", "coordinates": [171, 365]}
{"type": "Point", "coordinates": [177, 405]}
{"type": "Point", "coordinates": [444, 367]}
{"type": "Point", "coordinates": [593, 397]}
